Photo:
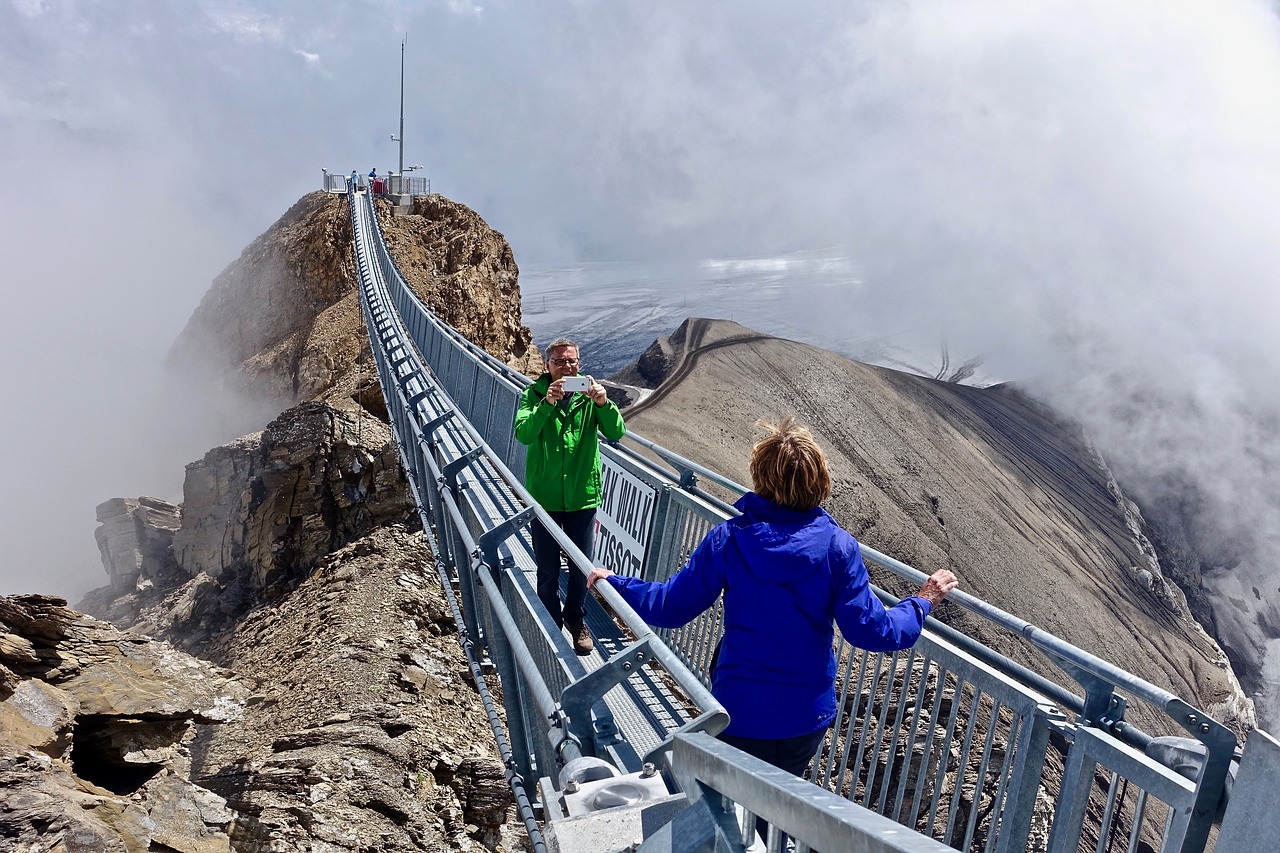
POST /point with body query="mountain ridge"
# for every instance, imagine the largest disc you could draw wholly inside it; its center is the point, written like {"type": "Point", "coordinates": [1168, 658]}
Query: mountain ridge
{"type": "Point", "coordinates": [985, 481]}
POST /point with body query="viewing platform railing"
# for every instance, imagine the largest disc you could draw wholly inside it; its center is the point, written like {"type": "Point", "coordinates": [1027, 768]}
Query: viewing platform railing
{"type": "Point", "coordinates": [383, 185]}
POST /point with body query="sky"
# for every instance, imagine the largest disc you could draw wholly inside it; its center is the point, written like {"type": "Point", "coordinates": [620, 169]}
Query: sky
{"type": "Point", "coordinates": [1084, 194]}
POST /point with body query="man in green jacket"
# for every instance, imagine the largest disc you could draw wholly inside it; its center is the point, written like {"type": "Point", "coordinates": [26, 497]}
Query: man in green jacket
{"type": "Point", "coordinates": [562, 472]}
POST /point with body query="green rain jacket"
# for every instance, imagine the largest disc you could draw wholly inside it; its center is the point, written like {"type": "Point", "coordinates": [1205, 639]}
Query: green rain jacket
{"type": "Point", "coordinates": [562, 468]}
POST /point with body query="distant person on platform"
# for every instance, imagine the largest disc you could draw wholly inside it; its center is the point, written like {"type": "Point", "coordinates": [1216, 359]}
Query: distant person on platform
{"type": "Point", "coordinates": [786, 571]}
{"type": "Point", "coordinates": [355, 181]}
{"type": "Point", "coordinates": [562, 472]}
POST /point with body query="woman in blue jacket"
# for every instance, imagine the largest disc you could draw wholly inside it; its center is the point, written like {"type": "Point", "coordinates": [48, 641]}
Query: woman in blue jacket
{"type": "Point", "coordinates": [787, 571]}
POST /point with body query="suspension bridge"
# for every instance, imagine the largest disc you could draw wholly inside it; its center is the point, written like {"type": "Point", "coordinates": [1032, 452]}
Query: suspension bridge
{"type": "Point", "coordinates": [946, 746]}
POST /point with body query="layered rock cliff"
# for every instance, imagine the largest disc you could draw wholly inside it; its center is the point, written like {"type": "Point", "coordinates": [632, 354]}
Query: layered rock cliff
{"type": "Point", "coordinates": [257, 516]}
{"type": "Point", "coordinates": [293, 560]}
{"type": "Point", "coordinates": [96, 729]}
{"type": "Point", "coordinates": [297, 565]}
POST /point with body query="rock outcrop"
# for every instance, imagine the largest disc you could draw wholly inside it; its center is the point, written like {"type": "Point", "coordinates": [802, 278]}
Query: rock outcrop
{"type": "Point", "coordinates": [465, 272]}
{"type": "Point", "coordinates": [264, 509]}
{"type": "Point", "coordinates": [293, 558]}
{"type": "Point", "coordinates": [95, 735]}
{"type": "Point", "coordinates": [295, 563]}
{"type": "Point", "coordinates": [283, 322]}
{"type": "Point", "coordinates": [364, 731]}
{"type": "Point", "coordinates": [136, 540]}
{"type": "Point", "coordinates": [983, 481]}
{"type": "Point", "coordinates": [258, 515]}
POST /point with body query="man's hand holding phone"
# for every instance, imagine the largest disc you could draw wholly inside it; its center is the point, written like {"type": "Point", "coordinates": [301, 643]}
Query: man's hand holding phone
{"type": "Point", "coordinates": [566, 385]}
{"type": "Point", "coordinates": [579, 383]}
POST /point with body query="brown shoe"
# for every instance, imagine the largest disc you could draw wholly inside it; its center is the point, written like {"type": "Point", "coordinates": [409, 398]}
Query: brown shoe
{"type": "Point", "coordinates": [582, 643]}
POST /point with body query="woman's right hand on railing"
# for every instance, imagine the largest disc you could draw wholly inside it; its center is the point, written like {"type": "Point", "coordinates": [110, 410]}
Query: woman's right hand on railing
{"type": "Point", "coordinates": [936, 587]}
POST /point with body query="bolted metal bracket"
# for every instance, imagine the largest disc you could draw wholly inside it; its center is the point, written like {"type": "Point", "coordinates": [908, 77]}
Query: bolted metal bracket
{"type": "Point", "coordinates": [1220, 745]}
{"type": "Point", "coordinates": [1103, 707]}
{"type": "Point", "coordinates": [450, 472]}
{"type": "Point", "coordinates": [487, 544]}
{"type": "Point", "coordinates": [429, 428]}
{"type": "Point", "coordinates": [1112, 719]}
{"type": "Point", "coordinates": [413, 401]}
{"type": "Point", "coordinates": [577, 700]}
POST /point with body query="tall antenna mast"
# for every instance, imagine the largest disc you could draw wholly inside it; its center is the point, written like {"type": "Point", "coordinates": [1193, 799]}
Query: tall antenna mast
{"type": "Point", "coordinates": [401, 173]}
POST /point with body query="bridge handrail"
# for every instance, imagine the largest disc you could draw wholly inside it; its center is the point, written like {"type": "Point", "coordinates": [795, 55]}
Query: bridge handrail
{"type": "Point", "coordinates": [711, 717]}
{"type": "Point", "coordinates": [1057, 647]}
{"type": "Point", "coordinates": [688, 682]}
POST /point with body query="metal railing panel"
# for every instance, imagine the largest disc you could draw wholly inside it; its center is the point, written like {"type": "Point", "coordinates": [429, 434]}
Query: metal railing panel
{"type": "Point", "coordinates": [915, 739]}
{"type": "Point", "coordinates": [476, 502]}
{"type": "Point", "coordinates": [1130, 794]}
{"type": "Point", "coordinates": [396, 393]}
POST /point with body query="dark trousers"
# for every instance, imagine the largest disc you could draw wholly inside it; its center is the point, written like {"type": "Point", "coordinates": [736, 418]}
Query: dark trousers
{"type": "Point", "coordinates": [791, 754]}
{"type": "Point", "coordinates": [579, 526]}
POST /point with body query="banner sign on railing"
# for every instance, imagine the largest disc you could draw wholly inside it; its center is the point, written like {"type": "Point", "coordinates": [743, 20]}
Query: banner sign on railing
{"type": "Point", "coordinates": [623, 525]}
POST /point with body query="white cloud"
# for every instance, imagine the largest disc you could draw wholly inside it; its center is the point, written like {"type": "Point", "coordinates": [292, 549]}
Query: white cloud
{"type": "Point", "coordinates": [29, 8]}
{"type": "Point", "coordinates": [245, 23]}
{"type": "Point", "coordinates": [465, 7]}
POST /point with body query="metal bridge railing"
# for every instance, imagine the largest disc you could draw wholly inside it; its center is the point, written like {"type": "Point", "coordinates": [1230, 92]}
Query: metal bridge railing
{"type": "Point", "coordinates": [475, 510]}
{"type": "Point", "coordinates": [950, 739]}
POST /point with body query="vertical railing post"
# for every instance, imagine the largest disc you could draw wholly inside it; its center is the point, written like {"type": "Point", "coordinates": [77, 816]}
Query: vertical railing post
{"type": "Point", "coordinates": [488, 558]}
{"type": "Point", "coordinates": [1220, 745]}
{"type": "Point", "coordinates": [660, 551]}
{"type": "Point", "coordinates": [1014, 817]}
{"type": "Point", "coordinates": [467, 588]}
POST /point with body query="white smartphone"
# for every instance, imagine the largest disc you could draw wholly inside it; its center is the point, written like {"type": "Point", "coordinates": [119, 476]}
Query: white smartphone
{"type": "Point", "coordinates": [575, 383]}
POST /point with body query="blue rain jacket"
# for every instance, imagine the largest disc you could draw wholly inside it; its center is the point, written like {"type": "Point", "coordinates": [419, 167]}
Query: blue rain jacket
{"type": "Point", "coordinates": [786, 576]}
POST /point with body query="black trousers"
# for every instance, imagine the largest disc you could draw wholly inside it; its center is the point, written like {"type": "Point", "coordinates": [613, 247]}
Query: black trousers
{"type": "Point", "coordinates": [579, 526]}
{"type": "Point", "coordinates": [791, 754]}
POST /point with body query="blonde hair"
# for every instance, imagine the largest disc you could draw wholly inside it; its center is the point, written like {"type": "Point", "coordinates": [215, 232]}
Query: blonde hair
{"type": "Point", "coordinates": [788, 467]}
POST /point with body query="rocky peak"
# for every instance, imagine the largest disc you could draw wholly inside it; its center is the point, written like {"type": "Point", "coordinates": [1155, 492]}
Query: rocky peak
{"type": "Point", "coordinates": [136, 540]}
{"type": "Point", "coordinates": [297, 565]}
{"type": "Point", "coordinates": [283, 323]}
{"type": "Point", "coordinates": [293, 558]}
{"type": "Point", "coordinates": [465, 272]}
